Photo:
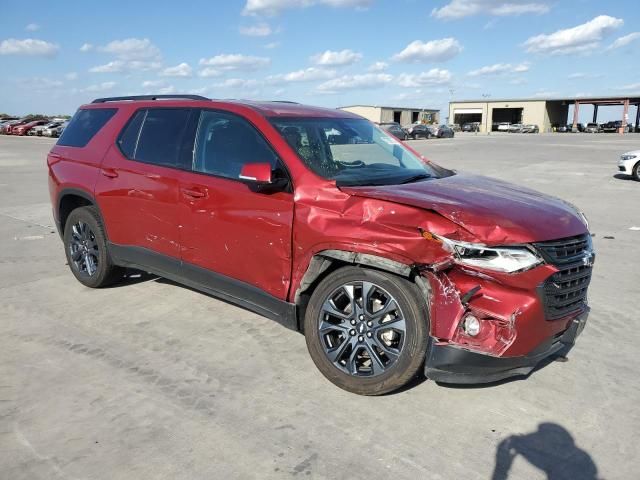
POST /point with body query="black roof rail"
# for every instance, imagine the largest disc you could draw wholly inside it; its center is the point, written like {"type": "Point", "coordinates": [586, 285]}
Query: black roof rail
{"type": "Point", "coordinates": [284, 101]}
{"type": "Point", "coordinates": [150, 97]}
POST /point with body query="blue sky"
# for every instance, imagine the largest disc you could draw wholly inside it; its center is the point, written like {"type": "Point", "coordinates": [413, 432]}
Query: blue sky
{"type": "Point", "coordinates": [55, 56]}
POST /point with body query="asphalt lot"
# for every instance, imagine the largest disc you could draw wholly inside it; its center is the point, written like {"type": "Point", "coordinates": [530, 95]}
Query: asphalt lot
{"type": "Point", "coordinates": [151, 380]}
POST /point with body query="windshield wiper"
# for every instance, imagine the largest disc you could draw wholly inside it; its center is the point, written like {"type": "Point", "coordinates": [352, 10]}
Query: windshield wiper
{"type": "Point", "coordinates": [415, 178]}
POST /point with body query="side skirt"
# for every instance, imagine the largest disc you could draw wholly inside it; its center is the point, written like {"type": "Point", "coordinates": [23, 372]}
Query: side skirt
{"type": "Point", "coordinates": [220, 286]}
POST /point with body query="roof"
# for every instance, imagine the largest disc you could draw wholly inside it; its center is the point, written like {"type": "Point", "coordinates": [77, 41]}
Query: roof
{"type": "Point", "coordinates": [616, 98]}
{"type": "Point", "coordinates": [275, 108]}
{"type": "Point", "coordinates": [392, 108]}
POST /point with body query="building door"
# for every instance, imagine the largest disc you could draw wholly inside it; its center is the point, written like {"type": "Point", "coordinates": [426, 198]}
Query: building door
{"type": "Point", "coordinates": [397, 114]}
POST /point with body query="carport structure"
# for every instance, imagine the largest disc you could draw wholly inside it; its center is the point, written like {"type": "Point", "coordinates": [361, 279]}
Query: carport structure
{"type": "Point", "coordinates": [626, 102]}
{"type": "Point", "coordinates": [547, 113]}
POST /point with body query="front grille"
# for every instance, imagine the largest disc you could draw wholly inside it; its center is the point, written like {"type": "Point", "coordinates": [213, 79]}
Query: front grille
{"type": "Point", "coordinates": [565, 292]}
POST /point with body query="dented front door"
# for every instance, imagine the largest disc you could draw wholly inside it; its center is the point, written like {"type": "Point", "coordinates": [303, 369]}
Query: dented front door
{"type": "Point", "coordinates": [229, 229]}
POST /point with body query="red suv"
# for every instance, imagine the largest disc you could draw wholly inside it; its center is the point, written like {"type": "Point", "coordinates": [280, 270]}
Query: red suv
{"type": "Point", "coordinates": [388, 263]}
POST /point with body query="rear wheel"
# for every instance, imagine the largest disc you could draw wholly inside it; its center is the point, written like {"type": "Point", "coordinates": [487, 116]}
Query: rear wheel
{"type": "Point", "coordinates": [86, 249]}
{"type": "Point", "coordinates": [636, 172]}
{"type": "Point", "coordinates": [366, 330]}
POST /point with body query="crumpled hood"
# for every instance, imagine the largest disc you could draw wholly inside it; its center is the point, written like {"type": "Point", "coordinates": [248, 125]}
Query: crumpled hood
{"type": "Point", "coordinates": [494, 211]}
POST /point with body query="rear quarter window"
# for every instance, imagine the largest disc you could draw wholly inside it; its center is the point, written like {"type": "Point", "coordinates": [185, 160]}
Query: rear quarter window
{"type": "Point", "coordinates": [84, 125]}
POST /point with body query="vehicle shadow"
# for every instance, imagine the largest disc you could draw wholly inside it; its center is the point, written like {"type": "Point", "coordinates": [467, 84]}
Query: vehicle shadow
{"type": "Point", "coordinates": [622, 176]}
{"type": "Point", "coordinates": [133, 277]}
{"type": "Point", "coordinates": [551, 449]}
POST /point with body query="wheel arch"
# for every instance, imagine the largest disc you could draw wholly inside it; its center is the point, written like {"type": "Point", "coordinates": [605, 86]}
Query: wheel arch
{"type": "Point", "coordinates": [68, 200]}
{"type": "Point", "coordinates": [327, 261]}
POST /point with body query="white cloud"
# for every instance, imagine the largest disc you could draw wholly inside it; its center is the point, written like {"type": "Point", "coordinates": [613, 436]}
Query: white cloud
{"type": "Point", "coordinates": [500, 69]}
{"type": "Point", "coordinates": [101, 87]}
{"type": "Point", "coordinates": [579, 39]}
{"type": "Point", "coordinates": [273, 7]}
{"type": "Point", "coordinates": [153, 83]}
{"type": "Point", "coordinates": [435, 76]}
{"type": "Point", "coordinates": [378, 67]}
{"type": "Point", "coordinates": [132, 49]}
{"type": "Point", "coordinates": [237, 83]}
{"type": "Point", "coordinates": [624, 41]}
{"type": "Point", "coordinates": [258, 30]}
{"type": "Point", "coordinates": [635, 87]}
{"type": "Point", "coordinates": [86, 47]}
{"type": "Point", "coordinates": [168, 90]}
{"type": "Point", "coordinates": [126, 66]}
{"type": "Point", "coordinates": [41, 83]}
{"type": "Point", "coordinates": [209, 72]}
{"type": "Point", "coordinates": [545, 94]}
{"type": "Point", "coordinates": [28, 46]}
{"type": "Point", "coordinates": [306, 75]}
{"type": "Point", "coordinates": [181, 70]}
{"type": "Point", "coordinates": [236, 62]}
{"type": "Point", "coordinates": [432, 51]}
{"type": "Point", "coordinates": [331, 58]}
{"type": "Point", "coordinates": [271, 45]}
{"type": "Point", "coordinates": [71, 76]}
{"type": "Point", "coordinates": [350, 82]}
{"type": "Point", "coordinates": [32, 27]}
{"type": "Point", "coordinates": [464, 8]}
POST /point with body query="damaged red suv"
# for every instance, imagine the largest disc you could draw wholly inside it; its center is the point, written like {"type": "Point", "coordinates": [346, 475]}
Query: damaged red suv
{"type": "Point", "coordinates": [389, 264]}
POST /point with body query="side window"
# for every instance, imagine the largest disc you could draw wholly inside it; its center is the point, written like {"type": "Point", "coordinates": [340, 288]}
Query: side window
{"type": "Point", "coordinates": [84, 125]}
{"type": "Point", "coordinates": [226, 142]}
{"type": "Point", "coordinates": [155, 136]}
{"type": "Point", "coordinates": [128, 140]}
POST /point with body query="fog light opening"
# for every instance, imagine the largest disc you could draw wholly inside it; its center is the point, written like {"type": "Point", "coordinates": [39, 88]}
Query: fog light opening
{"type": "Point", "coordinates": [471, 325]}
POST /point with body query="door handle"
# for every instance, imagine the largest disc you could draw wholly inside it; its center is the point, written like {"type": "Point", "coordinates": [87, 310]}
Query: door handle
{"type": "Point", "coordinates": [109, 172]}
{"type": "Point", "coordinates": [193, 192]}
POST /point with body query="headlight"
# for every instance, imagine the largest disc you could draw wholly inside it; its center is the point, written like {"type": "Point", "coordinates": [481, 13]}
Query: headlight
{"type": "Point", "coordinates": [628, 157]}
{"type": "Point", "coordinates": [499, 259]}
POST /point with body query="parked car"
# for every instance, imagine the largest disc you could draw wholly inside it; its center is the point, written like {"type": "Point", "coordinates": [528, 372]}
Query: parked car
{"type": "Point", "coordinates": [388, 263]}
{"type": "Point", "coordinates": [39, 130]}
{"type": "Point", "coordinates": [629, 164]}
{"type": "Point", "coordinates": [24, 128]}
{"type": "Point", "coordinates": [455, 127]}
{"type": "Point", "coordinates": [530, 129]}
{"type": "Point", "coordinates": [445, 132]}
{"type": "Point", "coordinates": [471, 127]}
{"type": "Point", "coordinates": [565, 128]}
{"type": "Point", "coordinates": [421, 131]}
{"type": "Point", "coordinates": [592, 128]}
{"type": "Point", "coordinates": [503, 126]}
{"type": "Point", "coordinates": [515, 128]}
{"type": "Point", "coordinates": [55, 131]}
{"type": "Point", "coordinates": [614, 127]}
{"type": "Point", "coordinates": [8, 129]}
{"type": "Point", "coordinates": [394, 129]}
{"type": "Point", "coordinates": [580, 127]}
{"type": "Point", "coordinates": [5, 124]}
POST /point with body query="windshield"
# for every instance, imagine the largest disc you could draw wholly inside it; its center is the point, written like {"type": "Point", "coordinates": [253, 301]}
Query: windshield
{"type": "Point", "coordinates": [353, 151]}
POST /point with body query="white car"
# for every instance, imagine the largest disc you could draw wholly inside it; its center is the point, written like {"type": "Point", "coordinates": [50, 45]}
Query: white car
{"type": "Point", "coordinates": [629, 163]}
{"type": "Point", "coordinates": [503, 127]}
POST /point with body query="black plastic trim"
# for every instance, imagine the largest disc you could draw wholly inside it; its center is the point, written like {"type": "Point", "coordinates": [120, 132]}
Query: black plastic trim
{"type": "Point", "coordinates": [72, 191]}
{"type": "Point", "coordinates": [150, 97]}
{"type": "Point", "coordinates": [207, 281]}
{"type": "Point", "coordinates": [451, 364]}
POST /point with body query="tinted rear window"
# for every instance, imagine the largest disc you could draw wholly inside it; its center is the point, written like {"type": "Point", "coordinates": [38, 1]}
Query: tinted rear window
{"type": "Point", "coordinates": [155, 136]}
{"type": "Point", "coordinates": [84, 125]}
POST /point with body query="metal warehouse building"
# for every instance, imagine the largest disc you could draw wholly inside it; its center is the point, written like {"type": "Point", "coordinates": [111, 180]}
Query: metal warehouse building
{"type": "Point", "coordinates": [401, 115]}
{"type": "Point", "coordinates": [545, 113]}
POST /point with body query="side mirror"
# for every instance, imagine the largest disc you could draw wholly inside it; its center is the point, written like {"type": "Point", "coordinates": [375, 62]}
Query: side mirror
{"type": "Point", "coordinates": [259, 173]}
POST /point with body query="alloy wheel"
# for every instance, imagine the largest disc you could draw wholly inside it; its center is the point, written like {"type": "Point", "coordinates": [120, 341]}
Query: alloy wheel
{"type": "Point", "coordinates": [362, 329]}
{"type": "Point", "coordinates": [83, 249]}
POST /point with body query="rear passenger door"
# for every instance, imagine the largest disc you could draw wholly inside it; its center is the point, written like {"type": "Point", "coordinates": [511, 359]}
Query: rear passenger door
{"type": "Point", "coordinates": [226, 226]}
{"type": "Point", "coordinates": [138, 186]}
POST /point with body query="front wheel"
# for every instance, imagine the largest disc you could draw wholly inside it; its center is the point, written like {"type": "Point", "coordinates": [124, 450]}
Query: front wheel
{"type": "Point", "coordinates": [636, 172]}
{"type": "Point", "coordinates": [366, 330]}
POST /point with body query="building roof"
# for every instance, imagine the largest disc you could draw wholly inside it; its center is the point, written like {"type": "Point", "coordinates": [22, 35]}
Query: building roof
{"type": "Point", "coordinates": [393, 108]}
{"type": "Point", "coordinates": [604, 98]}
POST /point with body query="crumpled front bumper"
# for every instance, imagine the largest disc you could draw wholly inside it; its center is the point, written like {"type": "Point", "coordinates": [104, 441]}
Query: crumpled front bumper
{"type": "Point", "coordinates": [450, 364]}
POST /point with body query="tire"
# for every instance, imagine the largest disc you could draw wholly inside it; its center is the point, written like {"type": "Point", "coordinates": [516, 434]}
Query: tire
{"type": "Point", "coordinates": [342, 351]}
{"type": "Point", "coordinates": [85, 245]}
{"type": "Point", "coordinates": [636, 172]}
